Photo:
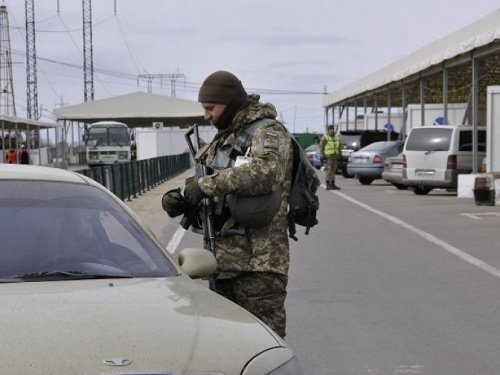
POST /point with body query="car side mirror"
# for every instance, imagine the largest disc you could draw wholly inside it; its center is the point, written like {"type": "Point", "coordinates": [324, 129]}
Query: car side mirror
{"type": "Point", "coordinates": [197, 263]}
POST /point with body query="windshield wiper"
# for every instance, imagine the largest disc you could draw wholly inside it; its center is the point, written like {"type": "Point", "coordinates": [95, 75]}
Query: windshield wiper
{"type": "Point", "coordinates": [5, 281]}
{"type": "Point", "coordinates": [437, 149]}
{"type": "Point", "coordinates": [64, 275]}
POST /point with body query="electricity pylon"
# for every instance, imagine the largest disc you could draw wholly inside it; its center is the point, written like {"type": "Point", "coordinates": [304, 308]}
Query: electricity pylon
{"type": "Point", "coordinates": [31, 72]}
{"type": "Point", "coordinates": [7, 98]}
{"type": "Point", "coordinates": [88, 55]}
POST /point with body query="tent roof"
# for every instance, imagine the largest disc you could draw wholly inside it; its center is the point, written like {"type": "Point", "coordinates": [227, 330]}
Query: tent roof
{"type": "Point", "coordinates": [480, 33]}
{"type": "Point", "coordinates": [13, 122]}
{"type": "Point", "coordinates": [138, 109]}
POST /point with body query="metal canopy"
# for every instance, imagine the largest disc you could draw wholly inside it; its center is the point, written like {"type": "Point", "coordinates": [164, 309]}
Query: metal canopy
{"type": "Point", "coordinates": [24, 124]}
{"type": "Point", "coordinates": [138, 109]}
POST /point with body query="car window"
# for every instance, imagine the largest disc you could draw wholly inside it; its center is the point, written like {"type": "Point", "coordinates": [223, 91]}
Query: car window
{"type": "Point", "coordinates": [465, 140]}
{"type": "Point", "coordinates": [349, 141]}
{"type": "Point", "coordinates": [48, 226]}
{"type": "Point", "coordinates": [429, 139]}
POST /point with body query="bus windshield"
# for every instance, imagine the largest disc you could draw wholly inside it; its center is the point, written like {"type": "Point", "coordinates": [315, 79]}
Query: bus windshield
{"type": "Point", "coordinates": [111, 136]}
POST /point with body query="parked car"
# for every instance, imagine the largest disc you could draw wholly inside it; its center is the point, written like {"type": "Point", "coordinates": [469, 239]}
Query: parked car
{"type": "Point", "coordinates": [434, 156]}
{"type": "Point", "coordinates": [367, 164]}
{"type": "Point", "coordinates": [354, 140]}
{"type": "Point", "coordinates": [313, 155]}
{"type": "Point", "coordinates": [86, 288]}
{"type": "Point", "coordinates": [393, 171]}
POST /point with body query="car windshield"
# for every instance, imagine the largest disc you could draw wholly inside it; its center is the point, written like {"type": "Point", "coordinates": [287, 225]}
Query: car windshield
{"type": "Point", "coordinates": [431, 139]}
{"type": "Point", "coordinates": [349, 141]}
{"type": "Point", "coordinates": [108, 136]}
{"type": "Point", "coordinates": [56, 228]}
{"type": "Point", "coordinates": [379, 146]}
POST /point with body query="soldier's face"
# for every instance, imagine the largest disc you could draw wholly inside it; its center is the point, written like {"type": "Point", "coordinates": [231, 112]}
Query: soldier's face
{"type": "Point", "coordinates": [213, 111]}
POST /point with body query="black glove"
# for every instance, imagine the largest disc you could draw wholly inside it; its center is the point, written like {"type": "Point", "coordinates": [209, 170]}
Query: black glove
{"type": "Point", "coordinates": [174, 203]}
{"type": "Point", "coordinates": [193, 194]}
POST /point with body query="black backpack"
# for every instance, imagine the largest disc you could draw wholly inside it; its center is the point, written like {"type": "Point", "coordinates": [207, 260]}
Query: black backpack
{"type": "Point", "coordinates": [303, 201]}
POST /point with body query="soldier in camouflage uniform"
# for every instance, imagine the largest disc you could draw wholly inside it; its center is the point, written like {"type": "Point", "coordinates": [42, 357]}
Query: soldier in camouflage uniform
{"type": "Point", "coordinates": [252, 262]}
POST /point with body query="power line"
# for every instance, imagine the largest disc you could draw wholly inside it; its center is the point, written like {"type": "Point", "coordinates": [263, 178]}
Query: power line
{"type": "Point", "coordinates": [188, 84]}
{"type": "Point", "coordinates": [66, 31]}
{"type": "Point", "coordinates": [127, 44]}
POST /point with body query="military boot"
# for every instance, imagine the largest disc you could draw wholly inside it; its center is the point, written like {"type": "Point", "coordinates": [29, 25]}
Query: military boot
{"type": "Point", "coordinates": [329, 185]}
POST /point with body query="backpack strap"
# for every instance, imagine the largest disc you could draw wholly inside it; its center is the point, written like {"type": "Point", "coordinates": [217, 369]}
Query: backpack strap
{"type": "Point", "coordinates": [244, 138]}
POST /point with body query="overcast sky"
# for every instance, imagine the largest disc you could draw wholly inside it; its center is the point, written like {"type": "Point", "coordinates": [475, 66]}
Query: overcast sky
{"type": "Point", "coordinates": [288, 50]}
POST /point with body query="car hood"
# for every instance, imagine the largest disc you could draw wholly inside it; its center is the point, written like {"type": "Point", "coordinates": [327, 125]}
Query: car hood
{"type": "Point", "coordinates": [161, 325]}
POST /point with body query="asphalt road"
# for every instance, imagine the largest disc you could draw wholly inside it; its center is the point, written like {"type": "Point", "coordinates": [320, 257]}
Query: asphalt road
{"type": "Point", "coordinates": [390, 283]}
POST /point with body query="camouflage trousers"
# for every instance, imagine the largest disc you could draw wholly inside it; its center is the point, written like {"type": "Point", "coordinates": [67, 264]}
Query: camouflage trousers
{"type": "Point", "coordinates": [331, 167]}
{"type": "Point", "coordinates": [261, 293]}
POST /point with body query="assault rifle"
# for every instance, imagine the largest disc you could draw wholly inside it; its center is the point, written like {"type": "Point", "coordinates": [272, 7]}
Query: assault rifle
{"type": "Point", "coordinates": [205, 210]}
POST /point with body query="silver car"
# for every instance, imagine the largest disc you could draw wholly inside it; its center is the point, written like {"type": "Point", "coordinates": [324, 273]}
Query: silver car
{"type": "Point", "coordinates": [367, 164]}
{"type": "Point", "coordinates": [393, 171]}
{"type": "Point", "coordinates": [86, 288]}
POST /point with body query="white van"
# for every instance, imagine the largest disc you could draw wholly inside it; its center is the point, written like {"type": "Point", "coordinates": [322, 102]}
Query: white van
{"type": "Point", "coordinates": [434, 156]}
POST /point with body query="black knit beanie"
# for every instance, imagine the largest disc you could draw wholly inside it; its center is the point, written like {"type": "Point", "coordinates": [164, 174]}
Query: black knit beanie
{"type": "Point", "coordinates": [222, 87]}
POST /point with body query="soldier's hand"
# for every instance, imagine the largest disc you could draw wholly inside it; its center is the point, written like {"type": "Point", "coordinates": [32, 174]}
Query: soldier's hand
{"type": "Point", "coordinates": [174, 203]}
{"type": "Point", "coordinates": [193, 194]}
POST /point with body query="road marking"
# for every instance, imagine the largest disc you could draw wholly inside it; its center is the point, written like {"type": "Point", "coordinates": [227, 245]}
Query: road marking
{"type": "Point", "coordinates": [446, 246]}
{"type": "Point", "coordinates": [477, 216]}
{"type": "Point", "coordinates": [176, 239]}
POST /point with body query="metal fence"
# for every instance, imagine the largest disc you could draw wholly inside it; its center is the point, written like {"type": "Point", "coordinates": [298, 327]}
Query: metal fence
{"type": "Point", "coordinates": [131, 179]}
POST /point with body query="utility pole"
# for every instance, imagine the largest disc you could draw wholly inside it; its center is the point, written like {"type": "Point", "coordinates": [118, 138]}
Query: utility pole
{"type": "Point", "coordinates": [149, 78]}
{"type": "Point", "coordinates": [7, 98]}
{"type": "Point", "coordinates": [88, 56]}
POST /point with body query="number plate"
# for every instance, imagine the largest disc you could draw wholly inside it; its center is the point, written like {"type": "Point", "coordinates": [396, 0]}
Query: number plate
{"type": "Point", "coordinates": [429, 174]}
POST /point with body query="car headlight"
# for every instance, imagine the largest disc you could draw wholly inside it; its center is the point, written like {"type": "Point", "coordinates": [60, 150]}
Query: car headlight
{"type": "Point", "coordinates": [276, 361]}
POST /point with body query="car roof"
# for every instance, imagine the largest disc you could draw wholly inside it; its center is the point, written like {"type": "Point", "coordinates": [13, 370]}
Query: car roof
{"type": "Point", "coordinates": [448, 127]}
{"type": "Point", "coordinates": [32, 172]}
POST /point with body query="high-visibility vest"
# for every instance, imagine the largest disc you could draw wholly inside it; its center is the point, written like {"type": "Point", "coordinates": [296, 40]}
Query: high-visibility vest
{"type": "Point", "coordinates": [332, 145]}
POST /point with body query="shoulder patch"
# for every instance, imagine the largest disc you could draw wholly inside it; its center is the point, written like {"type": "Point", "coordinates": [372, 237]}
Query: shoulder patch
{"type": "Point", "coordinates": [271, 139]}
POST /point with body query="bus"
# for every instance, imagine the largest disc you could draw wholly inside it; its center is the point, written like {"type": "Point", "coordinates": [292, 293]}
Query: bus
{"type": "Point", "coordinates": [107, 142]}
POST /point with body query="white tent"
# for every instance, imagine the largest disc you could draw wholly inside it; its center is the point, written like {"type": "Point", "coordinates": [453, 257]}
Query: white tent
{"type": "Point", "coordinates": [138, 109]}
{"type": "Point", "coordinates": [478, 34]}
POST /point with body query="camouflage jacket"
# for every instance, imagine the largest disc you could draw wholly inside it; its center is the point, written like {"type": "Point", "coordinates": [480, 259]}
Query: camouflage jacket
{"type": "Point", "coordinates": [264, 249]}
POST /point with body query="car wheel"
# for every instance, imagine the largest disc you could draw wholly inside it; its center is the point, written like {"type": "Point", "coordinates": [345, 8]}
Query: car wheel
{"type": "Point", "coordinates": [365, 180]}
{"type": "Point", "coordinates": [420, 190]}
{"type": "Point", "coordinates": [401, 186]}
